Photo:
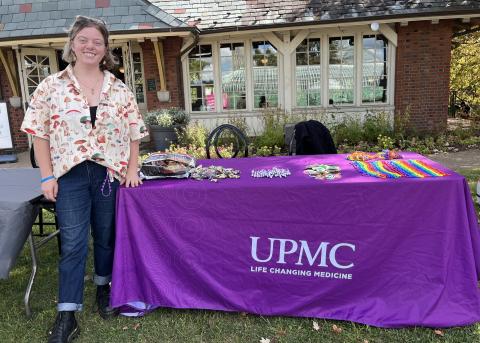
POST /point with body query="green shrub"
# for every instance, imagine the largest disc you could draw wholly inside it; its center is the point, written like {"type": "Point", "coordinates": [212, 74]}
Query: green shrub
{"type": "Point", "coordinates": [385, 142]}
{"type": "Point", "coordinates": [273, 129]}
{"type": "Point", "coordinates": [266, 151]}
{"type": "Point", "coordinates": [239, 122]}
{"type": "Point", "coordinates": [348, 132]}
{"type": "Point", "coordinates": [167, 117]}
{"type": "Point", "coordinates": [194, 135]}
{"type": "Point", "coordinates": [200, 152]}
{"type": "Point", "coordinates": [375, 125]}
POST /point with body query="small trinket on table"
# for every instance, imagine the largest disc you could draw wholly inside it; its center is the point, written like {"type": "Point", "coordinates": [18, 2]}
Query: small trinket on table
{"type": "Point", "coordinates": [323, 171]}
{"type": "Point", "coordinates": [214, 173]}
{"type": "Point", "coordinates": [270, 173]}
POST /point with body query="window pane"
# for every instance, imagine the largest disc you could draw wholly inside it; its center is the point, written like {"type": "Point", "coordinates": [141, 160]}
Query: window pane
{"type": "Point", "coordinates": [314, 45]}
{"type": "Point", "coordinates": [265, 75]}
{"type": "Point", "coordinates": [314, 58]}
{"type": "Point", "coordinates": [194, 78]}
{"type": "Point", "coordinates": [207, 77]}
{"type": "Point", "coordinates": [369, 42]}
{"type": "Point", "coordinates": [226, 63]}
{"type": "Point", "coordinates": [341, 69]}
{"type": "Point", "coordinates": [314, 99]}
{"type": "Point", "coordinates": [302, 59]}
{"type": "Point", "coordinates": [233, 76]}
{"type": "Point", "coordinates": [308, 73]}
{"type": "Point", "coordinates": [201, 78]}
{"type": "Point", "coordinates": [368, 55]}
{"type": "Point", "coordinates": [138, 77]}
{"type": "Point", "coordinates": [206, 50]}
{"type": "Point", "coordinates": [374, 69]}
{"type": "Point", "coordinates": [302, 47]}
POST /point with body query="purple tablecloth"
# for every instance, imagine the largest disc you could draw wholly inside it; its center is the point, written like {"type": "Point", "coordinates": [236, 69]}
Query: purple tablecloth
{"type": "Point", "coordinates": [389, 253]}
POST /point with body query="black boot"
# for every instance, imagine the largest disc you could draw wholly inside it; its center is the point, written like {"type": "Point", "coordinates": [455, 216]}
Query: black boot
{"type": "Point", "coordinates": [65, 328]}
{"type": "Point", "coordinates": [103, 302]}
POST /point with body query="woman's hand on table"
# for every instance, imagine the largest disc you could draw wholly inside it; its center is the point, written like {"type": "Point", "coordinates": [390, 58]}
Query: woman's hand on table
{"type": "Point", "coordinates": [132, 179]}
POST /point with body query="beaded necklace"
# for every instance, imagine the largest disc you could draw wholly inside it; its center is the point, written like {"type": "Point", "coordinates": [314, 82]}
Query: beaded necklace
{"type": "Point", "coordinates": [397, 168]}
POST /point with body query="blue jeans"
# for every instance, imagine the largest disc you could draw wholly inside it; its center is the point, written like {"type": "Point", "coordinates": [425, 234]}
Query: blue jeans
{"type": "Point", "coordinates": [81, 205]}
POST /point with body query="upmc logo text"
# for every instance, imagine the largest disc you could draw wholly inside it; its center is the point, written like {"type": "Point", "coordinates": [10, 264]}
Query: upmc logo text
{"type": "Point", "coordinates": [325, 254]}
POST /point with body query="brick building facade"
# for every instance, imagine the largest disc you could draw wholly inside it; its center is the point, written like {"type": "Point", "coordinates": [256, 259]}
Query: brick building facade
{"type": "Point", "coordinates": [173, 72]}
{"type": "Point", "coordinates": [422, 74]}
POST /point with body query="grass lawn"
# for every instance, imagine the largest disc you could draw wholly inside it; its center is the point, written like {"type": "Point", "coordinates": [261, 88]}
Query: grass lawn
{"type": "Point", "coordinates": [168, 325]}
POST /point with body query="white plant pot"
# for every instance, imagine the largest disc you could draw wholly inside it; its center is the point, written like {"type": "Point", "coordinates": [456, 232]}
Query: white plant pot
{"type": "Point", "coordinates": [15, 101]}
{"type": "Point", "coordinates": [163, 96]}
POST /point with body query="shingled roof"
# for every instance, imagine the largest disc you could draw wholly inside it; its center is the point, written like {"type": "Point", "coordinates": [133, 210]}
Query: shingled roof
{"type": "Point", "coordinates": [31, 18]}
{"type": "Point", "coordinates": [210, 15]}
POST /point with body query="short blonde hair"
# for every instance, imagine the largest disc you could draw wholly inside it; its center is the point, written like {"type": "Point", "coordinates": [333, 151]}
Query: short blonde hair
{"type": "Point", "coordinates": [109, 60]}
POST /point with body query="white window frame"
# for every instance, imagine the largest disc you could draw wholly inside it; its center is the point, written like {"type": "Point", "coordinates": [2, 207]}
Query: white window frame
{"type": "Point", "coordinates": [356, 70]}
{"type": "Point", "coordinates": [357, 33]}
{"type": "Point", "coordinates": [219, 103]}
{"type": "Point", "coordinates": [283, 70]}
{"type": "Point", "coordinates": [247, 42]}
{"type": "Point", "coordinates": [135, 50]}
{"type": "Point", "coordinates": [388, 72]}
{"type": "Point", "coordinates": [216, 76]}
{"type": "Point", "coordinates": [294, 73]}
{"type": "Point", "coordinates": [49, 53]}
{"type": "Point", "coordinates": [280, 78]}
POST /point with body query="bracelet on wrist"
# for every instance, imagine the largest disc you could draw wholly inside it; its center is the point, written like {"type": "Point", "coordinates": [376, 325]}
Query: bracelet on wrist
{"type": "Point", "coordinates": [48, 178]}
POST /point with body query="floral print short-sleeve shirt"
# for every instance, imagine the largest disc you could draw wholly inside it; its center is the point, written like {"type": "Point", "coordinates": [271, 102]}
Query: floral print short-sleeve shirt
{"type": "Point", "coordinates": [59, 112]}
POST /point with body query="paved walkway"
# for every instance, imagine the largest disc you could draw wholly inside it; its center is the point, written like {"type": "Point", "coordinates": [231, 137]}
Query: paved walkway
{"type": "Point", "coordinates": [23, 161]}
{"type": "Point", "coordinates": [454, 160]}
{"type": "Point", "coordinates": [467, 159]}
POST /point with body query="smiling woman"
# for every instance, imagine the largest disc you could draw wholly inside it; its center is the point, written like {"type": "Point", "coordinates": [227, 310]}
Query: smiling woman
{"type": "Point", "coordinates": [83, 158]}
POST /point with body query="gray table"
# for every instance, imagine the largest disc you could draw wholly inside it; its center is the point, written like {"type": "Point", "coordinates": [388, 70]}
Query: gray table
{"type": "Point", "coordinates": [20, 196]}
{"type": "Point", "coordinates": [19, 193]}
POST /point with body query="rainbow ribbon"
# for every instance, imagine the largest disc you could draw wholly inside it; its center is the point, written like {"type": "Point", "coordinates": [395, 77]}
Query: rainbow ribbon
{"type": "Point", "coordinates": [397, 168]}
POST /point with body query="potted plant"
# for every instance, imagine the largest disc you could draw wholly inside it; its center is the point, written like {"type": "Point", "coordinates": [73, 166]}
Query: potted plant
{"type": "Point", "coordinates": [164, 125]}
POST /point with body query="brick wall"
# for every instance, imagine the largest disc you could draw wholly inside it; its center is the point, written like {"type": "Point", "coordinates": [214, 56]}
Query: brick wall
{"type": "Point", "coordinates": [15, 115]}
{"type": "Point", "coordinates": [422, 77]}
{"type": "Point", "coordinates": [173, 68]}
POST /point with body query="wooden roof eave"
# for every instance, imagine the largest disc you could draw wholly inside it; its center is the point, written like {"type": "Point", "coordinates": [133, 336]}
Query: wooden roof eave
{"type": "Point", "coordinates": [56, 39]}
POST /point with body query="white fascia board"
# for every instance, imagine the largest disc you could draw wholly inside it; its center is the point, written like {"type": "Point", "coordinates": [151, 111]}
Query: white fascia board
{"type": "Point", "coordinates": [342, 25]}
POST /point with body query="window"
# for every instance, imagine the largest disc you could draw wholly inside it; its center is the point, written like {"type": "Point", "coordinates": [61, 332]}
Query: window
{"type": "Point", "coordinates": [232, 60]}
{"type": "Point", "coordinates": [265, 75]}
{"type": "Point", "coordinates": [201, 78]}
{"type": "Point", "coordinates": [308, 73]}
{"type": "Point", "coordinates": [341, 69]}
{"type": "Point", "coordinates": [138, 77]}
{"type": "Point", "coordinates": [374, 69]}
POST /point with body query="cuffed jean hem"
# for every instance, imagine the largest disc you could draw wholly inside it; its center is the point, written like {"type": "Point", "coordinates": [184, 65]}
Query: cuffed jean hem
{"type": "Point", "coordinates": [69, 307]}
{"type": "Point", "coordinates": [101, 280]}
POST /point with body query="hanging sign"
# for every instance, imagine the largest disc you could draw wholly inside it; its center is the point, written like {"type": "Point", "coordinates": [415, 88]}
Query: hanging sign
{"type": "Point", "coordinates": [5, 135]}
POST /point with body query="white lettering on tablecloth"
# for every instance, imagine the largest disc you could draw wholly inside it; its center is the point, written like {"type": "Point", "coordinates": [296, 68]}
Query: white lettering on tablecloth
{"type": "Point", "coordinates": [300, 253]}
{"type": "Point", "coordinates": [291, 247]}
